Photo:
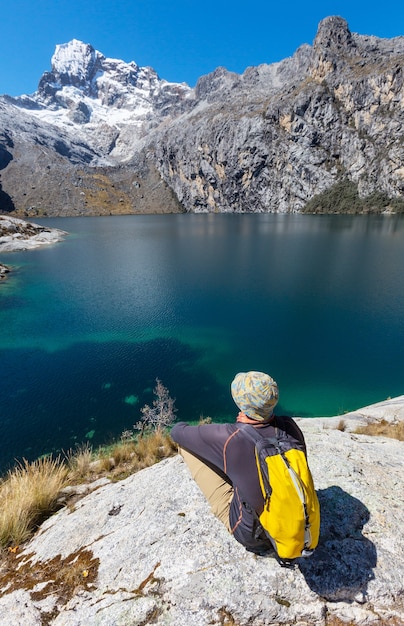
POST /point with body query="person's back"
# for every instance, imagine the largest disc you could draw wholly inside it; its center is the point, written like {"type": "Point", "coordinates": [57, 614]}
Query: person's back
{"type": "Point", "coordinates": [222, 459]}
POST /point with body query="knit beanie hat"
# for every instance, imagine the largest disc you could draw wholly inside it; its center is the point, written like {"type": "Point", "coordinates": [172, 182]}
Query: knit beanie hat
{"type": "Point", "coordinates": [255, 393]}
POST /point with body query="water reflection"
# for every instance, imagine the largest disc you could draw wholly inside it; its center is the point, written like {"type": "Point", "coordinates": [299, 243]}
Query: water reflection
{"type": "Point", "coordinates": [317, 301]}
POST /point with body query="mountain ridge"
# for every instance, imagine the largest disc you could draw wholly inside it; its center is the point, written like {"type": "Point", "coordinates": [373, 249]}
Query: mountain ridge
{"type": "Point", "coordinates": [268, 140]}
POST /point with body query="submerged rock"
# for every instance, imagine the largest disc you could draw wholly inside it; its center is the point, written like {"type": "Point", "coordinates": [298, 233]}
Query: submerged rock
{"type": "Point", "coordinates": [148, 550]}
{"type": "Point", "coordinates": [3, 271]}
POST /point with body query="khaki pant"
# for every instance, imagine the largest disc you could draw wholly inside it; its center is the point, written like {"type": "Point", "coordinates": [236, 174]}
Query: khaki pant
{"type": "Point", "coordinates": [217, 491]}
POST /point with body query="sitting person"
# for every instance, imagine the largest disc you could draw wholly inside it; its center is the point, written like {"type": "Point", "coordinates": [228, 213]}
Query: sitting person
{"type": "Point", "coordinates": [222, 460]}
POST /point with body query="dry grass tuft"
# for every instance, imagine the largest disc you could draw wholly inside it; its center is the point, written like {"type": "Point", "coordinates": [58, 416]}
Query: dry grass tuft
{"type": "Point", "coordinates": [132, 456]}
{"type": "Point", "coordinates": [383, 429]}
{"type": "Point", "coordinates": [123, 452]}
{"type": "Point", "coordinates": [226, 618]}
{"type": "Point", "coordinates": [341, 425]}
{"type": "Point", "coordinates": [120, 459]}
{"type": "Point", "coordinates": [204, 420]}
{"type": "Point", "coordinates": [79, 462]}
{"type": "Point", "coordinates": [28, 494]}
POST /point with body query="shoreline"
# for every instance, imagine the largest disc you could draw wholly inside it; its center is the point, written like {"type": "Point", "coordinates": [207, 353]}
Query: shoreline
{"type": "Point", "coordinates": [389, 411]}
{"type": "Point", "coordinates": [17, 235]}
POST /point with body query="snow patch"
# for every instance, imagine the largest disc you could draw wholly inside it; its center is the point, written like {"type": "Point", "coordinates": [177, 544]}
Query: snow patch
{"type": "Point", "coordinates": [75, 58]}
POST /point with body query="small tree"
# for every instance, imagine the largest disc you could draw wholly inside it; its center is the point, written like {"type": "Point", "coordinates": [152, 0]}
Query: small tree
{"type": "Point", "coordinates": [161, 414]}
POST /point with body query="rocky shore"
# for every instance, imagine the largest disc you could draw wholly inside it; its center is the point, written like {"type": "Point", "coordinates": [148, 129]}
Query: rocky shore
{"type": "Point", "coordinates": [147, 550]}
{"type": "Point", "coordinates": [17, 234]}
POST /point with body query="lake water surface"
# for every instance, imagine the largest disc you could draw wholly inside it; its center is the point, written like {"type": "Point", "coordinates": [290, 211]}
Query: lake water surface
{"type": "Point", "coordinates": [87, 325]}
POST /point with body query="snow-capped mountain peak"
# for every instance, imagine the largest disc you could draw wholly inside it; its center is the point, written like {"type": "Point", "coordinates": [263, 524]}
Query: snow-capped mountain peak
{"type": "Point", "coordinates": [75, 61]}
{"type": "Point", "coordinates": [92, 97]}
{"type": "Point", "coordinates": [79, 72]}
{"type": "Point", "coordinates": [79, 65]}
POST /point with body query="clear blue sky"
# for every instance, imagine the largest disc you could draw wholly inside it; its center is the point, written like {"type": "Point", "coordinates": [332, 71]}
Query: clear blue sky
{"type": "Point", "coordinates": [180, 39]}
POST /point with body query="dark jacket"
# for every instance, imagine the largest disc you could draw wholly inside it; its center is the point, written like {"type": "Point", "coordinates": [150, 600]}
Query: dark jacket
{"type": "Point", "coordinates": [230, 453]}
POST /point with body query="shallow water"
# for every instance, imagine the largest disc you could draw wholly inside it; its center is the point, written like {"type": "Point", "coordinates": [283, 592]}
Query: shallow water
{"type": "Point", "coordinates": [88, 324]}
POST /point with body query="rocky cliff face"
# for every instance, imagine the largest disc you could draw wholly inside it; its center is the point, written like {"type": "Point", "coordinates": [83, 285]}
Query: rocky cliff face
{"type": "Point", "coordinates": [147, 550]}
{"type": "Point", "coordinates": [271, 139]}
{"type": "Point", "coordinates": [101, 135]}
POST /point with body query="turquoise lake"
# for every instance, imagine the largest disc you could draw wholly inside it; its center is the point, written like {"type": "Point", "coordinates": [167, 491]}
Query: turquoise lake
{"type": "Point", "coordinates": [88, 324]}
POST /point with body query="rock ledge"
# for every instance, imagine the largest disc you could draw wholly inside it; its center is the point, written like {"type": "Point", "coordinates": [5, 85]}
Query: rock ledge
{"type": "Point", "coordinates": [17, 234]}
{"type": "Point", "coordinates": [148, 551]}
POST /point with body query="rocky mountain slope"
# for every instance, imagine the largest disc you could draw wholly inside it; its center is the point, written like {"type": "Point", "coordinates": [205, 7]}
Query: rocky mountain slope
{"type": "Point", "coordinates": [147, 550]}
{"type": "Point", "coordinates": [103, 136]}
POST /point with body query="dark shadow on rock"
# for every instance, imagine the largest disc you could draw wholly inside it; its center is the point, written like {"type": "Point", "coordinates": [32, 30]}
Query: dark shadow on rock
{"type": "Point", "coordinates": [342, 565]}
{"type": "Point", "coordinates": [6, 203]}
{"type": "Point", "coordinates": [62, 148]}
{"type": "Point", "coordinates": [5, 157]}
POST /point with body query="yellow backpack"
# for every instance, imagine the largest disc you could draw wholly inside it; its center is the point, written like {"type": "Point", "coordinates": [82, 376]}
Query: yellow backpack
{"type": "Point", "coordinates": [291, 515]}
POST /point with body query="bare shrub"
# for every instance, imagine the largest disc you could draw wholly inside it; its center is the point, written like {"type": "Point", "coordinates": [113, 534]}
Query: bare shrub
{"type": "Point", "coordinates": [161, 414]}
